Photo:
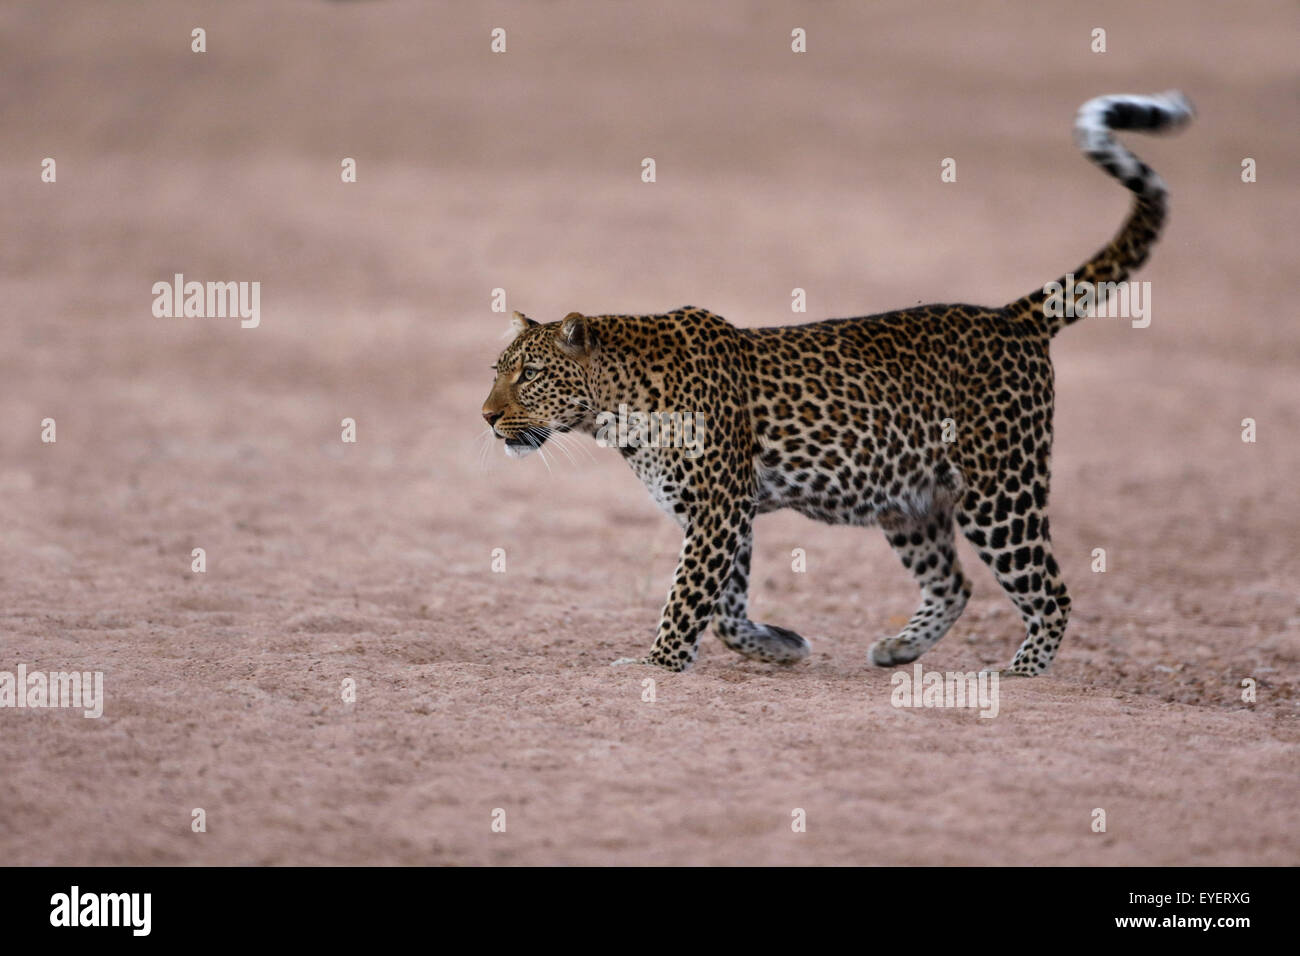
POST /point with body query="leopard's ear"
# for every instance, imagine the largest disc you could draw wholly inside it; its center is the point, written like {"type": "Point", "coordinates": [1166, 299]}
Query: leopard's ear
{"type": "Point", "coordinates": [519, 322]}
{"type": "Point", "coordinates": [575, 336]}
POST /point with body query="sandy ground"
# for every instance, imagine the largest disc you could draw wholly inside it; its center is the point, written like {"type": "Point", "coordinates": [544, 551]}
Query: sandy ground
{"type": "Point", "coordinates": [479, 690]}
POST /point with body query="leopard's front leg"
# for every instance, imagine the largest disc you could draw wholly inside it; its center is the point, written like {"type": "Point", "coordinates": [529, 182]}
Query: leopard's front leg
{"type": "Point", "coordinates": [708, 552]}
{"type": "Point", "coordinates": [707, 485]}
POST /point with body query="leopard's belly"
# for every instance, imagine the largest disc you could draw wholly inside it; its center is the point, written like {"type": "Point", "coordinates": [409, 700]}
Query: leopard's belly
{"type": "Point", "coordinates": [849, 493]}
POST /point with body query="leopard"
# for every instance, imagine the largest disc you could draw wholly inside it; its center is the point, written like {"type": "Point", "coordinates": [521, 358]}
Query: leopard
{"type": "Point", "coordinates": [921, 421]}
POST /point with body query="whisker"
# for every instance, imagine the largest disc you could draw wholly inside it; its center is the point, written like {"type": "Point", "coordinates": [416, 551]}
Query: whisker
{"type": "Point", "coordinates": [581, 404]}
{"type": "Point", "coordinates": [531, 435]}
{"type": "Point", "coordinates": [561, 446]}
{"type": "Point", "coordinates": [484, 442]}
{"type": "Point", "coordinates": [565, 439]}
{"type": "Point", "coordinates": [545, 460]}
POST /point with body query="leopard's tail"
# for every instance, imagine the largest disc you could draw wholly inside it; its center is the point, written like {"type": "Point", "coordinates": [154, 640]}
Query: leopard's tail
{"type": "Point", "coordinates": [1052, 307]}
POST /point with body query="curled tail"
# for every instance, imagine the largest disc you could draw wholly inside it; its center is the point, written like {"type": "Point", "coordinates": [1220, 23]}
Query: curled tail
{"type": "Point", "coordinates": [1050, 307]}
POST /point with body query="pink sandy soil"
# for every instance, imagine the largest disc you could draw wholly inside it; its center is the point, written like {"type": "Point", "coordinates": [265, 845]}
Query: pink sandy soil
{"type": "Point", "coordinates": [479, 690]}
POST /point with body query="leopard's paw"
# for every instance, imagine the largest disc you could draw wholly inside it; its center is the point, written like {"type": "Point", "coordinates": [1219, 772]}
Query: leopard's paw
{"type": "Point", "coordinates": [1022, 669]}
{"type": "Point", "coordinates": [778, 645]}
{"type": "Point", "coordinates": [765, 642]}
{"type": "Point", "coordinates": [890, 652]}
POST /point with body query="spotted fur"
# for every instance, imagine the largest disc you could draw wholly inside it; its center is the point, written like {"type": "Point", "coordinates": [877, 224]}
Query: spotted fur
{"type": "Point", "coordinates": [923, 421]}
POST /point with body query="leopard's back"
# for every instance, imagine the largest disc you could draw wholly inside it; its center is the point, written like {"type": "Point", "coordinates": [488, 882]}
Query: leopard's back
{"type": "Point", "coordinates": [857, 418]}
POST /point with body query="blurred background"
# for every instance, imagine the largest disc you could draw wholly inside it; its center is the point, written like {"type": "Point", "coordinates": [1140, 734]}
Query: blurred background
{"type": "Point", "coordinates": [522, 171]}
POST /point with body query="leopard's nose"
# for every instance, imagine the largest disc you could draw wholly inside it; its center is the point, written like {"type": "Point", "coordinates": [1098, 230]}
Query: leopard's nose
{"type": "Point", "coordinates": [491, 417]}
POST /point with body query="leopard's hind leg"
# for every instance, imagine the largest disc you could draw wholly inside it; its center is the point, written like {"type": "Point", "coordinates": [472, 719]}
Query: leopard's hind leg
{"type": "Point", "coordinates": [925, 545]}
{"type": "Point", "coordinates": [1011, 534]}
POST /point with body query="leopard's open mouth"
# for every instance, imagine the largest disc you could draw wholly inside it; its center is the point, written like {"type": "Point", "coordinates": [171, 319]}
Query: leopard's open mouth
{"type": "Point", "coordinates": [527, 441]}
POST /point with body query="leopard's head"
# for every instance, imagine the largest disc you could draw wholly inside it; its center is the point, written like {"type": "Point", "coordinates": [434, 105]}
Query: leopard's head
{"type": "Point", "coordinates": [542, 383]}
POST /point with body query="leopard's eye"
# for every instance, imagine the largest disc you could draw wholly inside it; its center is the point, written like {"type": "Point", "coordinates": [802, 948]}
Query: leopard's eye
{"type": "Point", "coordinates": [528, 374]}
